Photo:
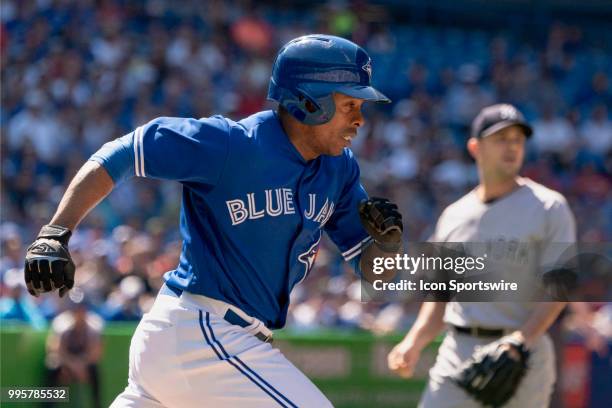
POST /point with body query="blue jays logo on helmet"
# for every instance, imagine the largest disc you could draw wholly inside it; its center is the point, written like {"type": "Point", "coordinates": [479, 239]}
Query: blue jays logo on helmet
{"type": "Point", "coordinates": [368, 68]}
{"type": "Point", "coordinates": [311, 68]}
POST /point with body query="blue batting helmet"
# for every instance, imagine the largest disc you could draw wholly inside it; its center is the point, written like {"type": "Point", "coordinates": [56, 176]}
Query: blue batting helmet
{"type": "Point", "coordinates": [313, 67]}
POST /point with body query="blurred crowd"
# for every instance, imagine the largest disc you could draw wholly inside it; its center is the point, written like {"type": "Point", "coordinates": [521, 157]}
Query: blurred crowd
{"type": "Point", "coordinates": [76, 74]}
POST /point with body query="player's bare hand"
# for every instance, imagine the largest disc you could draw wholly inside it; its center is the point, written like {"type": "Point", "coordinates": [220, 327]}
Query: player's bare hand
{"type": "Point", "coordinates": [403, 358]}
{"type": "Point", "coordinates": [48, 265]}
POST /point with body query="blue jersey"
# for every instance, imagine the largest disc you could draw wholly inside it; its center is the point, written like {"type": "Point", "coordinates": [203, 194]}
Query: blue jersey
{"type": "Point", "coordinates": [253, 209]}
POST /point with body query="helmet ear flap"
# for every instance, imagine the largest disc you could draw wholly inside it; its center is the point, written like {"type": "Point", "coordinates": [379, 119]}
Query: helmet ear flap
{"type": "Point", "coordinates": [317, 111]}
{"type": "Point", "coordinates": [309, 104]}
{"type": "Point", "coordinates": [326, 108]}
{"type": "Point", "coordinates": [306, 109]}
{"type": "Point", "coordinates": [287, 99]}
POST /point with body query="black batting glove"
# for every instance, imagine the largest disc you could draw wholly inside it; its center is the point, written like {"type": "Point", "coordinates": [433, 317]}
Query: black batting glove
{"type": "Point", "coordinates": [383, 222]}
{"type": "Point", "coordinates": [48, 265]}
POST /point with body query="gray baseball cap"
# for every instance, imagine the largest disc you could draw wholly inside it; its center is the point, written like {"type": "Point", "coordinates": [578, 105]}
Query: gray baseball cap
{"type": "Point", "coordinates": [497, 117]}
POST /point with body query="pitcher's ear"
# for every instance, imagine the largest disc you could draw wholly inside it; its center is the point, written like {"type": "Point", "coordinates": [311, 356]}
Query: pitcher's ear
{"type": "Point", "coordinates": [473, 147]}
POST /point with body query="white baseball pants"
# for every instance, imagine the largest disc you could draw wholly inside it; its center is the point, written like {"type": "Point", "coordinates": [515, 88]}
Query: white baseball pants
{"type": "Point", "coordinates": [183, 355]}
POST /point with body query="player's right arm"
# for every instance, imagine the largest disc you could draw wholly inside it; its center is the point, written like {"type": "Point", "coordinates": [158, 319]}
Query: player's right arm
{"type": "Point", "coordinates": [187, 150]}
{"type": "Point", "coordinates": [48, 265]}
{"type": "Point", "coordinates": [91, 185]}
{"type": "Point", "coordinates": [429, 324]}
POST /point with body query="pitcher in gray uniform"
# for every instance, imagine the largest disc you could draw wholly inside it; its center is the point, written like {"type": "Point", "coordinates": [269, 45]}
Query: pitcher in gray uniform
{"type": "Point", "coordinates": [504, 207]}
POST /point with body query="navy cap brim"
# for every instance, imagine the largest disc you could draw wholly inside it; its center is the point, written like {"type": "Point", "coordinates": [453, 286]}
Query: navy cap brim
{"type": "Point", "coordinates": [504, 124]}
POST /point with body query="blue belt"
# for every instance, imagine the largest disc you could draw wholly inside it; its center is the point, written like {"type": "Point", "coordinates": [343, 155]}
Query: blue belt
{"type": "Point", "coordinates": [230, 317]}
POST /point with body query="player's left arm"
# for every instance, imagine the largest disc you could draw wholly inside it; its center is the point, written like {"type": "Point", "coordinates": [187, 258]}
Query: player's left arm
{"type": "Point", "coordinates": [543, 316]}
{"type": "Point", "coordinates": [561, 236]}
{"type": "Point", "coordinates": [364, 228]}
{"type": "Point", "coordinates": [383, 222]}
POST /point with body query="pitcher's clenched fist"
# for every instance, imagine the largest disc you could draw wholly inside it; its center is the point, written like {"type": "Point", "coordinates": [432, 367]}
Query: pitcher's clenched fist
{"type": "Point", "coordinates": [403, 358]}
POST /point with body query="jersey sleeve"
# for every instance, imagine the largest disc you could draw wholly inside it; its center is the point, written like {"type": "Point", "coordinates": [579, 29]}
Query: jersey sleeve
{"type": "Point", "coordinates": [117, 158]}
{"type": "Point", "coordinates": [186, 150]}
{"type": "Point", "coordinates": [559, 244]}
{"type": "Point", "coordinates": [344, 226]}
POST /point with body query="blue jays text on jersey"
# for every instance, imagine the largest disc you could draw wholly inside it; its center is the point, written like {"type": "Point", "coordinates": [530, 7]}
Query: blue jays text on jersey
{"type": "Point", "coordinates": [253, 210]}
{"type": "Point", "coordinates": [282, 204]}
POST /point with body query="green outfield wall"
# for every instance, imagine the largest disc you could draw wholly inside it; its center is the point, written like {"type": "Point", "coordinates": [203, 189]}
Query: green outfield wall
{"type": "Point", "coordinates": [350, 368]}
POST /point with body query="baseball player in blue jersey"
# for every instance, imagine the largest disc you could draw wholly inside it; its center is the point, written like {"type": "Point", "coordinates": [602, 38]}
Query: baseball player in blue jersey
{"type": "Point", "coordinates": [257, 195]}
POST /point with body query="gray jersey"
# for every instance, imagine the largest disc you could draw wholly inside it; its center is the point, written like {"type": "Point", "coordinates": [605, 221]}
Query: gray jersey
{"type": "Point", "coordinates": [532, 216]}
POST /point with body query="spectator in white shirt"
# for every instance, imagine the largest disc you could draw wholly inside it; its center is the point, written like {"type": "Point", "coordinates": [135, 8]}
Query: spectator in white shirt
{"type": "Point", "coordinates": [552, 133]}
{"type": "Point", "coordinates": [597, 131]}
